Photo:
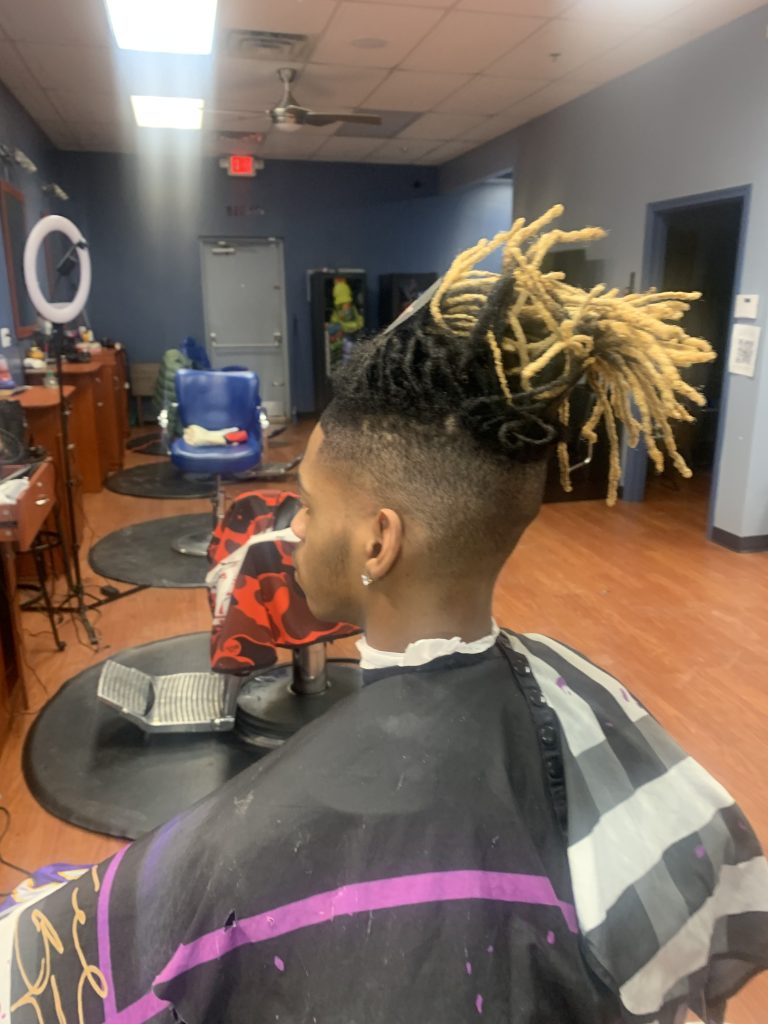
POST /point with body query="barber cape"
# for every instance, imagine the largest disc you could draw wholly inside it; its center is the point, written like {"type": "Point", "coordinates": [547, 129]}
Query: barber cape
{"type": "Point", "coordinates": [505, 836]}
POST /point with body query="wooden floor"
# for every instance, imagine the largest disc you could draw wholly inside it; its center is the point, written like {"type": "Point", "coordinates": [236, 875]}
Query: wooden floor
{"type": "Point", "coordinates": [638, 589]}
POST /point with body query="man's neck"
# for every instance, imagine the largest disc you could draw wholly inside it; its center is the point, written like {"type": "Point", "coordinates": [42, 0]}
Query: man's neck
{"type": "Point", "coordinates": [393, 626]}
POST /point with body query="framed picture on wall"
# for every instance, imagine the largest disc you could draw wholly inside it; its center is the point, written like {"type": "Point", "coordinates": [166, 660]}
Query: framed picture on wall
{"type": "Point", "coordinates": [14, 240]}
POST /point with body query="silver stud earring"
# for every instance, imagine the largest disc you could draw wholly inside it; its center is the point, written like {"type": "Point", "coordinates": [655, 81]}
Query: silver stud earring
{"type": "Point", "coordinates": [367, 579]}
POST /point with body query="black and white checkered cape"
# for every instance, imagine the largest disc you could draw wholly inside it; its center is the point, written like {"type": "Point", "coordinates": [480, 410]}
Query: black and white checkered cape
{"type": "Point", "coordinates": [669, 881]}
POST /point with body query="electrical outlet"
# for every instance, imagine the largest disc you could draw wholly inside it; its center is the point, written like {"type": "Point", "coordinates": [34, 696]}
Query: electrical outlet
{"type": "Point", "coordinates": [5, 337]}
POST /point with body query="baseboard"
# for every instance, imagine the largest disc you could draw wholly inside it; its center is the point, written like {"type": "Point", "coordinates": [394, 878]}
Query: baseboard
{"type": "Point", "coordinates": [741, 544]}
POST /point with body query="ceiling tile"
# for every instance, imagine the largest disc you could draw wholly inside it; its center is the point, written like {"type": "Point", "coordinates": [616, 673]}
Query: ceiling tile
{"type": "Point", "coordinates": [441, 126]}
{"type": "Point", "coordinates": [557, 94]}
{"type": "Point", "coordinates": [14, 70]}
{"type": "Point", "coordinates": [373, 35]}
{"type": "Point", "coordinates": [539, 8]}
{"type": "Point", "coordinates": [58, 132]}
{"type": "Point", "coordinates": [60, 21]}
{"type": "Point", "coordinates": [103, 108]}
{"type": "Point", "coordinates": [646, 45]}
{"type": "Point", "coordinates": [447, 47]}
{"type": "Point", "coordinates": [104, 136]}
{"type": "Point", "coordinates": [248, 85]}
{"type": "Point", "coordinates": [576, 42]}
{"type": "Point", "coordinates": [414, 90]}
{"type": "Point", "coordinates": [299, 16]}
{"type": "Point", "coordinates": [226, 147]}
{"type": "Point", "coordinates": [706, 15]}
{"type": "Point", "coordinates": [291, 145]}
{"type": "Point", "coordinates": [38, 104]}
{"type": "Point", "coordinates": [393, 122]}
{"type": "Point", "coordinates": [68, 67]}
{"type": "Point", "coordinates": [637, 12]}
{"type": "Point", "coordinates": [446, 151]}
{"type": "Point", "coordinates": [236, 122]}
{"type": "Point", "coordinates": [400, 151]}
{"type": "Point", "coordinates": [492, 127]}
{"type": "Point", "coordinates": [338, 148]}
{"type": "Point", "coordinates": [150, 74]}
{"type": "Point", "coordinates": [253, 86]}
{"type": "Point", "coordinates": [486, 95]}
{"type": "Point", "coordinates": [331, 87]}
{"type": "Point", "coordinates": [418, 3]}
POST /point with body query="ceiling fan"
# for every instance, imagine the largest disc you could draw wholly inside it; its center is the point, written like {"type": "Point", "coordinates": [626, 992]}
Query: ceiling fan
{"type": "Point", "coordinates": [289, 116]}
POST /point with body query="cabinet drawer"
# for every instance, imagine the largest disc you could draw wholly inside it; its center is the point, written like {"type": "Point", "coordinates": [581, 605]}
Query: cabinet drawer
{"type": "Point", "coordinates": [21, 522]}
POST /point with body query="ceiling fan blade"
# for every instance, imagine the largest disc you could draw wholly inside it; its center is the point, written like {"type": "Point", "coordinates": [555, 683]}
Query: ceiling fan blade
{"type": "Point", "coordinates": [318, 119]}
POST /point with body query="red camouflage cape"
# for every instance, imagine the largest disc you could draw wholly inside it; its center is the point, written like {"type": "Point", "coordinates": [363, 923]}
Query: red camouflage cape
{"type": "Point", "coordinates": [267, 609]}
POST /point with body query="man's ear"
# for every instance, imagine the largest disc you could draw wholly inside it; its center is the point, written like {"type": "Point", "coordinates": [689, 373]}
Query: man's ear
{"type": "Point", "coordinates": [385, 543]}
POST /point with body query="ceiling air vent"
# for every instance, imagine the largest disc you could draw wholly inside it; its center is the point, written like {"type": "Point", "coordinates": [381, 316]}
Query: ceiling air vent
{"type": "Point", "coordinates": [255, 45]}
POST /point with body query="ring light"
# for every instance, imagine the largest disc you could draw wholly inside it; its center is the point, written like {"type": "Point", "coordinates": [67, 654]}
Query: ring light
{"type": "Point", "coordinates": [56, 312]}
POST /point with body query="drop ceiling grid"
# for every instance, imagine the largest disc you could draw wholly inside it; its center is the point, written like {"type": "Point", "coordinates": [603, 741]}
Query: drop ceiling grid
{"type": "Point", "coordinates": [472, 68]}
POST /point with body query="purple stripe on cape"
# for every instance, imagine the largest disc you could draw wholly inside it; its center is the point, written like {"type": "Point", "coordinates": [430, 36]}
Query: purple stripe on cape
{"type": "Point", "coordinates": [102, 931]}
{"type": "Point", "coordinates": [362, 897]}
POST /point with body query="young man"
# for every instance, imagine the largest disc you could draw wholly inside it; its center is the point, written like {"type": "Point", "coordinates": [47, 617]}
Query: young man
{"type": "Point", "coordinates": [493, 828]}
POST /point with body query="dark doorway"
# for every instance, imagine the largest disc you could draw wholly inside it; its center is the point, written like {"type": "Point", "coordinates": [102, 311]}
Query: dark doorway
{"type": "Point", "coordinates": [700, 255]}
{"type": "Point", "coordinates": [694, 244]}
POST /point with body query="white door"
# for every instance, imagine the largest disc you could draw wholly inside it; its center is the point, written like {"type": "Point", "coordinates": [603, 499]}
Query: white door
{"type": "Point", "coordinates": [244, 304]}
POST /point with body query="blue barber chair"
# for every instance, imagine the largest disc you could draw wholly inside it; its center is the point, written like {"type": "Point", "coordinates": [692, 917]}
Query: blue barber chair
{"type": "Point", "coordinates": [215, 400]}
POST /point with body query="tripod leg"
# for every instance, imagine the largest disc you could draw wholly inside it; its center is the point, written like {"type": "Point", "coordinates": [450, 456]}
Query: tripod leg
{"type": "Point", "coordinates": [37, 552]}
{"type": "Point", "coordinates": [65, 557]}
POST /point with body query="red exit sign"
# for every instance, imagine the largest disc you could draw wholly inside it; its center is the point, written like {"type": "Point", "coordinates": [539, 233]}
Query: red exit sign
{"type": "Point", "coordinates": [242, 166]}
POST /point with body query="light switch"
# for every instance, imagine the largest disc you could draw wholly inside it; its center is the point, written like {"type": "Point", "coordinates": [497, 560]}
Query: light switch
{"type": "Point", "coordinates": [5, 337]}
{"type": "Point", "coordinates": [746, 307]}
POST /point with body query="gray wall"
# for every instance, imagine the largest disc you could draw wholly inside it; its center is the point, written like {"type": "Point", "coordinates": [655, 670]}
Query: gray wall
{"type": "Point", "coordinates": [692, 122]}
{"type": "Point", "coordinates": [18, 131]}
{"type": "Point", "coordinates": [143, 218]}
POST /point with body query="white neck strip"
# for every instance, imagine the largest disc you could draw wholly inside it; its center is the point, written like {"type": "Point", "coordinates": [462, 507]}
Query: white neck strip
{"type": "Point", "coordinates": [423, 651]}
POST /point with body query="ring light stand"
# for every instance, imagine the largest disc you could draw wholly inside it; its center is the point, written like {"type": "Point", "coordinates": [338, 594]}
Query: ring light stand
{"type": "Point", "coordinates": [61, 313]}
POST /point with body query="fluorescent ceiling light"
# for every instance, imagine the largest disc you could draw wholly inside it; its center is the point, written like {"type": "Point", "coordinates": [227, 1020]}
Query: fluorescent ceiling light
{"type": "Point", "coordinates": [163, 26]}
{"type": "Point", "coordinates": [168, 112]}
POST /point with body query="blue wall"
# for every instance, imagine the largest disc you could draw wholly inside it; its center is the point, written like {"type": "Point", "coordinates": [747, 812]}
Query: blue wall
{"type": "Point", "coordinates": [689, 123]}
{"type": "Point", "coordinates": [18, 131]}
{"type": "Point", "coordinates": [143, 218]}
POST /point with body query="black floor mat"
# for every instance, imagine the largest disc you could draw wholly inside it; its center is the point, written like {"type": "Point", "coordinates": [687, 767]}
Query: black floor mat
{"type": "Point", "coordinates": [160, 480]}
{"type": "Point", "coordinates": [87, 764]}
{"type": "Point", "coordinates": [142, 554]}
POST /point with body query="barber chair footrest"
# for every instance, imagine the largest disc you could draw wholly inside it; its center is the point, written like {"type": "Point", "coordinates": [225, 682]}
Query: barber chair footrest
{"type": "Point", "coordinates": [195, 543]}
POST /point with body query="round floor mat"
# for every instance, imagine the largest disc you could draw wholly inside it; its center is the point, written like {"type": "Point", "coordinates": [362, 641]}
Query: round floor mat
{"type": "Point", "coordinates": [141, 439]}
{"type": "Point", "coordinates": [160, 480]}
{"type": "Point", "coordinates": [147, 444]}
{"type": "Point", "coordinates": [142, 554]}
{"type": "Point", "coordinates": [87, 764]}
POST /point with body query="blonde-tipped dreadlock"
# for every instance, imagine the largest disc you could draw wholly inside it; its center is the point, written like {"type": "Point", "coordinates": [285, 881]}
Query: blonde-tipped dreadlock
{"type": "Point", "coordinates": [550, 334]}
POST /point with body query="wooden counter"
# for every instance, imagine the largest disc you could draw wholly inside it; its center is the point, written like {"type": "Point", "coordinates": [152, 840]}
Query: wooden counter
{"type": "Point", "coordinates": [113, 413]}
{"type": "Point", "coordinates": [86, 424]}
{"type": "Point", "coordinates": [19, 525]}
{"type": "Point", "coordinates": [41, 408]}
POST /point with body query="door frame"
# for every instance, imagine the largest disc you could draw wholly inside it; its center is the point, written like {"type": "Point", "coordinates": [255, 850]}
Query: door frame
{"type": "Point", "coordinates": [271, 240]}
{"type": "Point", "coordinates": [654, 251]}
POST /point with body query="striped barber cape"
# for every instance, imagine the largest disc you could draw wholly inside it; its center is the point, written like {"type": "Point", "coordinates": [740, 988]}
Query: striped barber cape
{"type": "Point", "coordinates": [669, 880]}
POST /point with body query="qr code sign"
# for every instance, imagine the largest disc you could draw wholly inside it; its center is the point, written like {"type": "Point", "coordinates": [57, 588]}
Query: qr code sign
{"type": "Point", "coordinates": [744, 351]}
{"type": "Point", "coordinates": [744, 344]}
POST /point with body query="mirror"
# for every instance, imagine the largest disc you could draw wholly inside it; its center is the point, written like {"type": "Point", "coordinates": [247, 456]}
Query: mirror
{"type": "Point", "coordinates": [14, 239]}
